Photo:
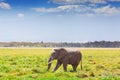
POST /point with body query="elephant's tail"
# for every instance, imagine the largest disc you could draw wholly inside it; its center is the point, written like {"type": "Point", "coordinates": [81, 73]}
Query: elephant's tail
{"type": "Point", "coordinates": [81, 64]}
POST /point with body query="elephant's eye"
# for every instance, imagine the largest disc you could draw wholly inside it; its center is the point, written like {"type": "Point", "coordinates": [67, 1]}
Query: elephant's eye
{"type": "Point", "coordinates": [53, 53]}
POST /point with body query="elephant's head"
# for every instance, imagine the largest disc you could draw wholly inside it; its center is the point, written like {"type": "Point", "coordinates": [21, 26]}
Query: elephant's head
{"type": "Point", "coordinates": [56, 54]}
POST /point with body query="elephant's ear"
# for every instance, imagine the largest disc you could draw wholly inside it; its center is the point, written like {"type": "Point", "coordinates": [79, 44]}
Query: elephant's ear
{"type": "Point", "coordinates": [62, 53]}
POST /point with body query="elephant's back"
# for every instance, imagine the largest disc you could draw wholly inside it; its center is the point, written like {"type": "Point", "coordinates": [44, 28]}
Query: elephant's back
{"type": "Point", "coordinates": [75, 52]}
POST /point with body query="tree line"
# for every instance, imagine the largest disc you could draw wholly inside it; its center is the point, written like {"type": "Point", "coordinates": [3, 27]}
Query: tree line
{"type": "Point", "coordinates": [95, 44]}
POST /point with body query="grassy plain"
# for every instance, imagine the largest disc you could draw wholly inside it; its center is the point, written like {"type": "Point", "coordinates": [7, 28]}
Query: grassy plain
{"type": "Point", "coordinates": [31, 64]}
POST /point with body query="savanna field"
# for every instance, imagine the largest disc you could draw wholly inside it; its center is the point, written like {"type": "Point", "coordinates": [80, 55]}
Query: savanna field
{"type": "Point", "coordinates": [31, 64]}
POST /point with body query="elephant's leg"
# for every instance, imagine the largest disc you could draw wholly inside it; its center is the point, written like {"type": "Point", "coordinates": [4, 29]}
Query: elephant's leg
{"type": "Point", "coordinates": [65, 67]}
{"type": "Point", "coordinates": [57, 65]}
{"type": "Point", "coordinates": [74, 67]}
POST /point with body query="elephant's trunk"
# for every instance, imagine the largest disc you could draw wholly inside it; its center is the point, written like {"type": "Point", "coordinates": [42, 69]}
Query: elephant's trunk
{"type": "Point", "coordinates": [49, 63]}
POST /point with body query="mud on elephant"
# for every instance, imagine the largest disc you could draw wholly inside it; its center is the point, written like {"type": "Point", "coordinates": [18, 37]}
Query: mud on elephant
{"type": "Point", "coordinates": [65, 57]}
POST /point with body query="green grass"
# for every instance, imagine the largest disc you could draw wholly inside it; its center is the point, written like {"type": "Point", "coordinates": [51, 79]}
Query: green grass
{"type": "Point", "coordinates": [31, 64]}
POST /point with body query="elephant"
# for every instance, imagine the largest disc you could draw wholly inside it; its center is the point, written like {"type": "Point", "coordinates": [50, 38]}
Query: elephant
{"type": "Point", "coordinates": [65, 57]}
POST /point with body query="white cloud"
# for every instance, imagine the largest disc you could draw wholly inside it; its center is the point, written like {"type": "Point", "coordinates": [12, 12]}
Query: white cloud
{"type": "Point", "coordinates": [46, 9]}
{"type": "Point", "coordinates": [20, 15]}
{"type": "Point", "coordinates": [65, 8]}
{"type": "Point", "coordinates": [115, 0]}
{"type": "Point", "coordinates": [81, 9]}
{"type": "Point", "coordinates": [1, 0]}
{"type": "Point", "coordinates": [4, 5]}
{"type": "Point", "coordinates": [82, 1]}
{"type": "Point", "coordinates": [107, 10]}
{"type": "Point", "coordinates": [77, 1]}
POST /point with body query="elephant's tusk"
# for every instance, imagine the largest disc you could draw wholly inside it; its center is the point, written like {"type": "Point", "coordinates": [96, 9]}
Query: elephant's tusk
{"type": "Point", "coordinates": [50, 62]}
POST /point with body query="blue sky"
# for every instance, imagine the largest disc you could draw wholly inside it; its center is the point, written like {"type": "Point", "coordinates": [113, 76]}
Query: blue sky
{"type": "Point", "coordinates": [59, 20]}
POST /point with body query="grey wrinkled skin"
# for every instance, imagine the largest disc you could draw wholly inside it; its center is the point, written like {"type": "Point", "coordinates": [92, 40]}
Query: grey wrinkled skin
{"type": "Point", "coordinates": [65, 57]}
